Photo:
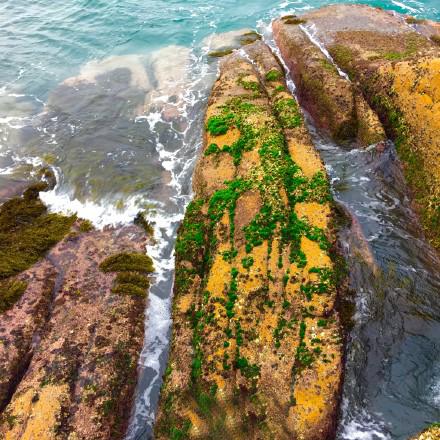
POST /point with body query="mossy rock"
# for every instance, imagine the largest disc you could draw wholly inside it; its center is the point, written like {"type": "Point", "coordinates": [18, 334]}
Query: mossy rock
{"type": "Point", "coordinates": [10, 292]}
{"type": "Point", "coordinates": [141, 221]}
{"type": "Point", "coordinates": [435, 39]}
{"type": "Point", "coordinates": [127, 262]}
{"type": "Point", "coordinates": [293, 19]}
{"type": "Point", "coordinates": [27, 232]}
{"type": "Point", "coordinates": [221, 52]}
{"type": "Point", "coordinates": [132, 269]}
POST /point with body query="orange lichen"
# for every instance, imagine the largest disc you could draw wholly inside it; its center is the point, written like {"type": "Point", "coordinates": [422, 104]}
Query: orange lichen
{"type": "Point", "coordinates": [317, 214]}
{"type": "Point", "coordinates": [37, 412]}
{"type": "Point", "coordinates": [306, 157]}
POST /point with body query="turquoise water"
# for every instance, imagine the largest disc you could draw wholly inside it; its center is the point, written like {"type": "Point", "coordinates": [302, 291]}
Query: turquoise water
{"type": "Point", "coordinates": [111, 94]}
{"type": "Point", "coordinates": [43, 42]}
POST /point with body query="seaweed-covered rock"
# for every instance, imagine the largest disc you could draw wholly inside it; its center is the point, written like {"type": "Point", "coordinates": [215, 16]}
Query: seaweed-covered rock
{"type": "Point", "coordinates": [335, 103]}
{"type": "Point", "coordinates": [71, 336]}
{"type": "Point", "coordinates": [395, 62]}
{"type": "Point", "coordinates": [432, 433]}
{"type": "Point", "coordinates": [256, 347]}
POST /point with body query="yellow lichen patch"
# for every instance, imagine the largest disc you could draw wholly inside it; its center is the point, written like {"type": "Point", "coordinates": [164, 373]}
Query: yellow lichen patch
{"type": "Point", "coordinates": [219, 276]}
{"type": "Point", "coordinates": [35, 413]}
{"type": "Point", "coordinates": [185, 302]}
{"type": "Point", "coordinates": [259, 119]}
{"type": "Point", "coordinates": [248, 206]}
{"type": "Point", "coordinates": [430, 434]}
{"type": "Point", "coordinates": [231, 136]}
{"type": "Point", "coordinates": [198, 426]}
{"type": "Point", "coordinates": [214, 170]}
{"type": "Point", "coordinates": [319, 384]}
{"type": "Point", "coordinates": [317, 214]}
{"type": "Point", "coordinates": [316, 257]}
{"type": "Point", "coordinates": [255, 286]}
{"type": "Point", "coordinates": [370, 130]}
{"type": "Point", "coordinates": [249, 163]}
{"type": "Point", "coordinates": [266, 328]}
{"type": "Point", "coordinates": [255, 275]}
{"type": "Point", "coordinates": [417, 92]}
{"type": "Point", "coordinates": [306, 157]}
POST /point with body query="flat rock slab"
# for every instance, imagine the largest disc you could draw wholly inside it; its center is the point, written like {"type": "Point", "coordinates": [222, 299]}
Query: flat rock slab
{"type": "Point", "coordinates": [256, 348]}
{"type": "Point", "coordinates": [69, 346]}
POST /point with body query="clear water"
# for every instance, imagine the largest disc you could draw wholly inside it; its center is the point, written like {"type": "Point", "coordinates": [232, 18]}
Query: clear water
{"type": "Point", "coordinates": [111, 94]}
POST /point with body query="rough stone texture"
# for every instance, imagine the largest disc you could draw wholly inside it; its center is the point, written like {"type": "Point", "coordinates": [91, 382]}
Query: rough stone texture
{"type": "Point", "coordinates": [430, 434]}
{"type": "Point", "coordinates": [335, 103]}
{"type": "Point", "coordinates": [256, 348]}
{"type": "Point", "coordinates": [396, 64]}
{"type": "Point", "coordinates": [69, 346]}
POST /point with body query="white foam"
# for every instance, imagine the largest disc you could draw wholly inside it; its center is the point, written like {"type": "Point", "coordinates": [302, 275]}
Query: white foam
{"type": "Point", "coordinates": [403, 6]}
{"type": "Point", "coordinates": [355, 430]}
{"type": "Point", "coordinates": [100, 214]}
{"type": "Point", "coordinates": [311, 32]}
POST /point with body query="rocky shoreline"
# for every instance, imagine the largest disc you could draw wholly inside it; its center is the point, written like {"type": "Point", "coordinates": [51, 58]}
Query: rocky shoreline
{"type": "Point", "coordinates": [257, 341]}
{"type": "Point", "coordinates": [72, 329]}
{"type": "Point", "coordinates": [250, 355]}
{"type": "Point", "coordinates": [391, 67]}
{"type": "Point", "coordinates": [259, 315]}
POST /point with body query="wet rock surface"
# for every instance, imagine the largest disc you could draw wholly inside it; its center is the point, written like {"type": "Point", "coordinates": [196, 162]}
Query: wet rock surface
{"type": "Point", "coordinates": [335, 103]}
{"type": "Point", "coordinates": [430, 434]}
{"type": "Point", "coordinates": [70, 342]}
{"type": "Point", "coordinates": [393, 62]}
{"type": "Point", "coordinates": [256, 349]}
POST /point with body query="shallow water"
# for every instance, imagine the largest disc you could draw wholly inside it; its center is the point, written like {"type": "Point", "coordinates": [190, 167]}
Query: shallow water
{"type": "Point", "coordinates": [111, 94]}
{"type": "Point", "coordinates": [391, 378]}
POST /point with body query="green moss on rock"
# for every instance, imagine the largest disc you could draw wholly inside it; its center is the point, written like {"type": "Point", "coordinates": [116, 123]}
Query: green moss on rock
{"type": "Point", "coordinates": [274, 75]}
{"type": "Point", "coordinates": [132, 268]}
{"type": "Point", "coordinates": [127, 262]}
{"type": "Point", "coordinates": [27, 232]}
{"type": "Point", "coordinates": [288, 113]}
{"type": "Point", "coordinates": [10, 292]}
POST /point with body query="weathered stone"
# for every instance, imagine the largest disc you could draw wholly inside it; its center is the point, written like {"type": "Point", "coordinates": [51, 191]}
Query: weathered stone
{"type": "Point", "coordinates": [396, 65]}
{"type": "Point", "coordinates": [256, 348]}
{"type": "Point", "coordinates": [335, 103]}
{"type": "Point", "coordinates": [69, 345]}
{"type": "Point", "coordinates": [432, 433]}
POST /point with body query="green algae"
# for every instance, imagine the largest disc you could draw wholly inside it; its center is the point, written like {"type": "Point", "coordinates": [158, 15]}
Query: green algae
{"type": "Point", "coordinates": [253, 86]}
{"type": "Point", "coordinates": [273, 75]}
{"type": "Point", "coordinates": [10, 292]}
{"type": "Point", "coordinates": [196, 244]}
{"type": "Point", "coordinates": [233, 114]}
{"type": "Point", "coordinates": [127, 261]}
{"type": "Point", "coordinates": [86, 226]}
{"type": "Point", "coordinates": [435, 39]}
{"type": "Point", "coordinates": [218, 125]}
{"type": "Point", "coordinates": [27, 232]}
{"type": "Point", "coordinates": [288, 113]}
{"type": "Point", "coordinates": [414, 20]}
{"type": "Point", "coordinates": [192, 234]}
{"type": "Point", "coordinates": [141, 221]}
{"type": "Point", "coordinates": [344, 58]}
{"type": "Point", "coordinates": [249, 38]}
{"type": "Point", "coordinates": [293, 19]}
{"type": "Point", "coordinates": [220, 53]}
{"type": "Point", "coordinates": [132, 269]}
